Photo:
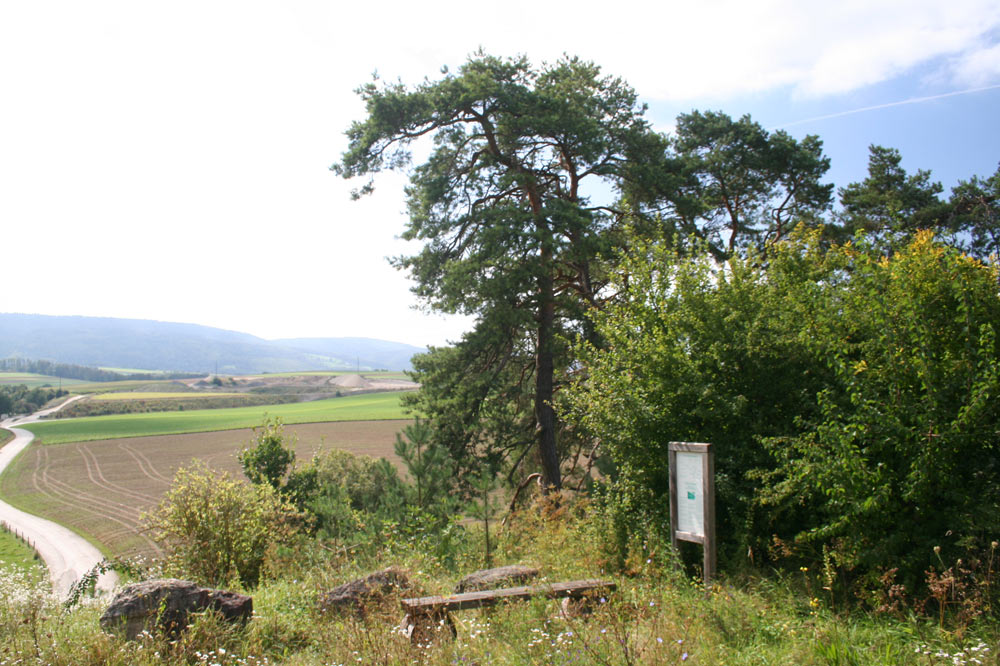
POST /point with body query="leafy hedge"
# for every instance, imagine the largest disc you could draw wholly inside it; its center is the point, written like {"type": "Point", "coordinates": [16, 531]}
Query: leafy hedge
{"type": "Point", "coordinates": [850, 394]}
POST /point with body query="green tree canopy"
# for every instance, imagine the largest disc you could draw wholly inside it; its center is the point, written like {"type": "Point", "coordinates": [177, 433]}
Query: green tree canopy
{"type": "Point", "coordinates": [513, 205]}
{"type": "Point", "coordinates": [975, 210]}
{"type": "Point", "coordinates": [733, 185]}
{"type": "Point", "coordinates": [889, 199]}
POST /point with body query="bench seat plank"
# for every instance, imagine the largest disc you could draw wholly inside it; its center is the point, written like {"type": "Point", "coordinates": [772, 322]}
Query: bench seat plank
{"type": "Point", "coordinates": [482, 598]}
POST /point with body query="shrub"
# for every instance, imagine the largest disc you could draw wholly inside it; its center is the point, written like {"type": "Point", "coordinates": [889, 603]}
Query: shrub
{"type": "Point", "coordinates": [217, 530]}
{"type": "Point", "coordinates": [850, 396]}
{"type": "Point", "coordinates": [353, 493]}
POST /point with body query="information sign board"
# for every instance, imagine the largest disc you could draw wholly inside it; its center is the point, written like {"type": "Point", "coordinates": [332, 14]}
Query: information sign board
{"type": "Point", "coordinates": [690, 493]}
{"type": "Point", "coordinates": [692, 498]}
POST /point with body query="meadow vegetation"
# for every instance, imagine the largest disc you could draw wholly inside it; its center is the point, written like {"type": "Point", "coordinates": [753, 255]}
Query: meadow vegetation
{"type": "Point", "coordinates": [658, 615]}
{"type": "Point", "coordinates": [14, 552]}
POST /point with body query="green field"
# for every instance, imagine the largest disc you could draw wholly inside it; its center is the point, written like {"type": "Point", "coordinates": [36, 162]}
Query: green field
{"type": "Point", "coordinates": [367, 407]}
{"type": "Point", "coordinates": [31, 380]}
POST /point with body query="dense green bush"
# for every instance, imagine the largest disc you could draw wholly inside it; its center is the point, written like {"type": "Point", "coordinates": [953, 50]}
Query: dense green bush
{"type": "Point", "coordinates": [20, 399]}
{"type": "Point", "coordinates": [217, 530]}
{"type": "Point", "coordinates": [354, 494]}
{"type": "Point", "coordinates": [850, 395]}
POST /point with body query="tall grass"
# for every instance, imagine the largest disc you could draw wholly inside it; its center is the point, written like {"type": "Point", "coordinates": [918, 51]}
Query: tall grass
{"type": "Point", "coordinates": [658, 615]}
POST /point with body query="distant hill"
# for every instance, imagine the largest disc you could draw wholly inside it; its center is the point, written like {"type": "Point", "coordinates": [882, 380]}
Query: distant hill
{"type": "Point", "coordinates": [155, 345]}
{"type": "Point", "coordinates": [362, 351]}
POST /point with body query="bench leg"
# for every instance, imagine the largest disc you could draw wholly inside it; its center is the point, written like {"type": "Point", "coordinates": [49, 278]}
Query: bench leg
{"type": "Point", "coordinates": [573, 608]}
{"type": "Point", "coordinates": [426, 628]}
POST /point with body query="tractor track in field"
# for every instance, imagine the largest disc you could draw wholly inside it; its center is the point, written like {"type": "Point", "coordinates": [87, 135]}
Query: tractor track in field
{"type": "Point", "coordinates": [55, 489]}
{"type": "Point", "coordinates": [146, 465]}
{"type": "Point", "coordinates": [94, 470]}
{"type": "Point", "coordinates": [128, 516]}
{"type": "Point", "coordinates": [67, 555]}
{"type": "Point", "coordinates": [103, 486]}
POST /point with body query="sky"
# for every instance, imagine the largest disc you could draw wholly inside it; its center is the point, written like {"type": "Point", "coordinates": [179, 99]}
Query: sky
{"type": "Point", "coordinates": [170, 161]}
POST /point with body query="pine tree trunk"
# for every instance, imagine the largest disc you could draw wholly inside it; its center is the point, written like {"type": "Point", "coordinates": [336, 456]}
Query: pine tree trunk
{"type": "Point", "coordinates": [545, 415]}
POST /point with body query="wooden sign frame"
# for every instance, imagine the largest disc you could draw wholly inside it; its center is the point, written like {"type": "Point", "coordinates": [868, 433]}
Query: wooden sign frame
{"type": "Point", "coordinates": [706, 535]}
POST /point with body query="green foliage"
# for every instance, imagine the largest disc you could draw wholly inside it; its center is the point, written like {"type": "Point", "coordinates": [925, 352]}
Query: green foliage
{"type": "Point", "coordinates": [354, 495]}
{"type": "Point", "coordinates": [694, 351]}
{"type": "Point", "coordinates": [478, 407]}
{"type": "Point", "coordinates": [509, 233]}
{"type": "Point", "coordinates": [270, 460]}
{"type": "Point", "coordinates": [431, 468]}
{"type": "Point", "coordinates": [484, 505]}
{"type": "Point", "coordinates": [858, 387]}
{"type": "Point", "coordinates": [217, 530]}
{"type": "Point", "coordinates": [976, 212]}
{"type": "Point", "coordinates": [20, 399]}
{"type": "Point", "coordinates": [739, 185]}
{"type": "Point", "coordinates": [889, 200]}
{"type": "Point", "coordinates": [903, 454]}
{"type": "Point", "coordinates": [656, 616]}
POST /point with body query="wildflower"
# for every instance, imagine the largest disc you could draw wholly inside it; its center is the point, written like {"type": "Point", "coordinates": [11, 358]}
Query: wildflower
{"type": "Point", "coordinates": [684, 657]}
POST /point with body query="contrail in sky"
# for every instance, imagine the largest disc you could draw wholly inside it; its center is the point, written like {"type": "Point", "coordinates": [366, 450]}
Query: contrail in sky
{"type": "Point", "coordinates": [912, 100]}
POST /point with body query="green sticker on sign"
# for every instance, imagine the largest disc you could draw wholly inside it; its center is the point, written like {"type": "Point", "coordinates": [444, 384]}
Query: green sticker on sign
{"type": "Point", "coordinates": [690, 495]}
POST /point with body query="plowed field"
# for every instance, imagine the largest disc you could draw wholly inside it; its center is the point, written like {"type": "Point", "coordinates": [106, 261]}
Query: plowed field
{"type": "Point", "coordinates": [101, 488]}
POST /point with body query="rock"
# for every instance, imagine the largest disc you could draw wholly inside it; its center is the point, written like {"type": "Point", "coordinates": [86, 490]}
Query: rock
{"type": "Point", "coordinates": [356, 594]}
{"type": "Point", "coordinates": [491, 579]}
{"type": "Point", "coordinates": [165, 604]}
{"type": "Point", "coordinates": [232, 606]}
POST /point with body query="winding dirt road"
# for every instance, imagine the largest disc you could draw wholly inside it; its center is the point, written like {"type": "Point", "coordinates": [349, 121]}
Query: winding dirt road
{"type": "Point", "coordinates": [66, 554]}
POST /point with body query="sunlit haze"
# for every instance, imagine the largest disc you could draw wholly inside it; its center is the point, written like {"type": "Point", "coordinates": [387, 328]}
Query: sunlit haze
{"type": "Point", "coordinates": [170, 160]}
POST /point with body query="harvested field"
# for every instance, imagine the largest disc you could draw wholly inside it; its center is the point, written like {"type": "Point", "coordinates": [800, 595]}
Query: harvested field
{"type": "Point", "coordinates": [101, 488]}
{"type": "Point", "coordinates": [158, 395]}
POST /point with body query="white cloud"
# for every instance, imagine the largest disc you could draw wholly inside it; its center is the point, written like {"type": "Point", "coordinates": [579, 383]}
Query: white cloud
{"type": "Point", "coordinates": [979, 66]}
{"type": "Point", "coordinates": [681, 50]}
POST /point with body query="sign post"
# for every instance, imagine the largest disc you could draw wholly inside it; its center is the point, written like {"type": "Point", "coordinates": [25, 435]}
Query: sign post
{"type": "Point", "coordinates": [692, 498]}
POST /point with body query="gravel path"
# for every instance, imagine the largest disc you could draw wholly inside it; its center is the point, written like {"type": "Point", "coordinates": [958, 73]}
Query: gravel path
{"type": "Point", "coordinates": [66, 554]}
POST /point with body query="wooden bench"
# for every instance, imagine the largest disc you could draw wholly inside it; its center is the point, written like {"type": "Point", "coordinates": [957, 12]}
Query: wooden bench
{"type": "Point", "coordinates": [427, 615]}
